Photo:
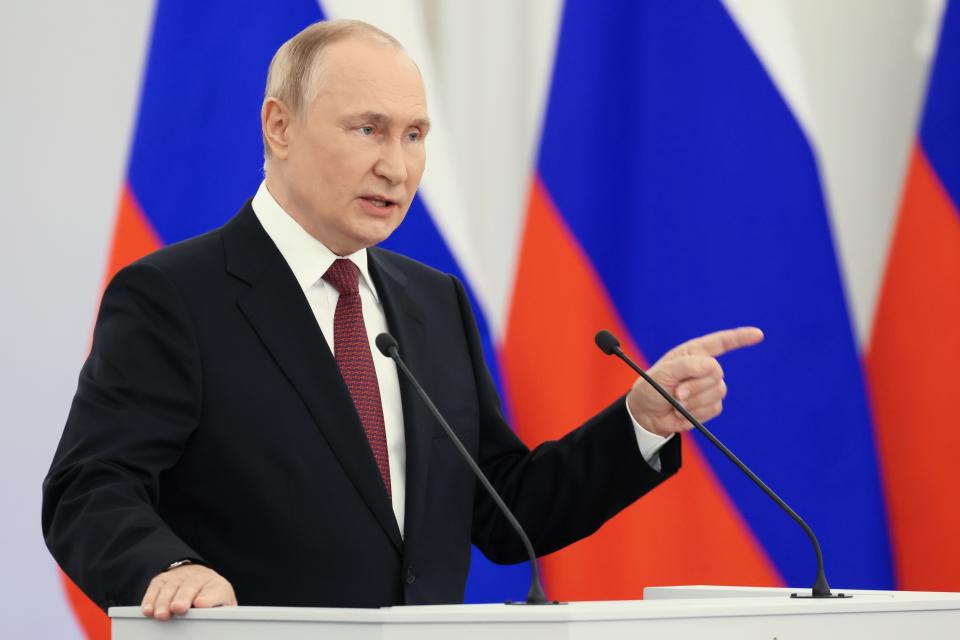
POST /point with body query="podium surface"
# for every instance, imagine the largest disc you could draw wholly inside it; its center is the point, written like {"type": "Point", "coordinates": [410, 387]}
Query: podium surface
{"type": "Point", "coordinates": [677, 612]}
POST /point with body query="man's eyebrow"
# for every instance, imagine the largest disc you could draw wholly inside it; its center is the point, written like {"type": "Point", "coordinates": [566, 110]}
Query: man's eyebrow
{"type": "Point", "coordinates": [371, 116]}
{"type": "Point", "coordinates": [423, 123]}
{"type": "Point", "coordinates": [381, 118]}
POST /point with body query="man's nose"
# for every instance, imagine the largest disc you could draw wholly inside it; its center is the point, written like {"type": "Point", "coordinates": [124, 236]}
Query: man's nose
{"type": "Point", "coordinates": [391, 166]}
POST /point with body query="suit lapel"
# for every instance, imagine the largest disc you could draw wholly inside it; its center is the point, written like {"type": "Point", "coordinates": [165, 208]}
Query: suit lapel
{"type": "Point", "coordinates": [406, 324]}
{"type": "Point", "coordinates": [278, 311]}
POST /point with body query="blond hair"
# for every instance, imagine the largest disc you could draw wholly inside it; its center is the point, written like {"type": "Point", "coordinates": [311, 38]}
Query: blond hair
{"type": "Point", "coordinates": [295, 72]}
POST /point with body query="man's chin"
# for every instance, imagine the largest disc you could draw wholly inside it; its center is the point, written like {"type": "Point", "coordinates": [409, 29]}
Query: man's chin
{"type": "Point", "coordinates": [373, 234]}
{"type": "Point", "coordinates": [372, 238]}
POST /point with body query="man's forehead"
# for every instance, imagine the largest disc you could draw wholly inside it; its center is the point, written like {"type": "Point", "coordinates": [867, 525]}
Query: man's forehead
{"type": "Point", "coordinates": [373, 79]}
{"type": "Point", "coordinates": [369, 61]}
{"type": "Point", "coordinates": [369, 76]}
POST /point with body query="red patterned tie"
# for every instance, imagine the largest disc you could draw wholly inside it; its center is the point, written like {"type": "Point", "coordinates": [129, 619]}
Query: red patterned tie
{"type": "Point", "coordinates": [352, 351]}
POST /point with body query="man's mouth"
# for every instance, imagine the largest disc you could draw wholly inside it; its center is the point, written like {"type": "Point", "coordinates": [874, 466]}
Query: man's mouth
{"type": "Point", "coordinates": [379, 202]}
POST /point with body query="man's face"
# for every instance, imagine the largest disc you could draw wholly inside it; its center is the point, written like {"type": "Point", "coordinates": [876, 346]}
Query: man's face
{"type": "Point", "coordinates": [354, 159]}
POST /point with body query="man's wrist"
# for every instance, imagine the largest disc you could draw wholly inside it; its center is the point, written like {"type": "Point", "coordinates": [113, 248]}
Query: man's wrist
{"type": "Point", "coordinates": [648, 442]}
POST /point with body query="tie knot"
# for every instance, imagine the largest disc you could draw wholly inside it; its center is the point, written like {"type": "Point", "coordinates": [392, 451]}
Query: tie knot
{"type": "Point", "coordinates": [344, 276]}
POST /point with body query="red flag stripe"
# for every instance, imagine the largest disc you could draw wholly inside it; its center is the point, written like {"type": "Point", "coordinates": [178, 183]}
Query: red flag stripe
{"type": "Point", "coordinates": [911, 369]}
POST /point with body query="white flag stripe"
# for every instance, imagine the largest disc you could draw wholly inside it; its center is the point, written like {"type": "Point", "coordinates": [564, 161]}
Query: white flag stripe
{"type": "Point", "coordinates": [495, 60]}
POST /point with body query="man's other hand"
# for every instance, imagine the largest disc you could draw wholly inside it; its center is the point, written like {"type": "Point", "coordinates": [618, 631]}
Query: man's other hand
{"type": "Point", "coordinates": [691, 373]}
{"type": "Point", "coordinates": [173, 592]}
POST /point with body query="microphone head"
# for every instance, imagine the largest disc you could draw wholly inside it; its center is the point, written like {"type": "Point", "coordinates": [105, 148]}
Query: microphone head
{"type": "Point", "coordinates": [607, 342]}
{"type": "Point", "coordinates": [386, 343]}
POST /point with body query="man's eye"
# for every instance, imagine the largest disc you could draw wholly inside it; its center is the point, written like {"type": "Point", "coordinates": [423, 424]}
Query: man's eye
{"type": "Point", "coordinates": [366, 130]}
{"type": "Point", "coordinates": [413, 136]}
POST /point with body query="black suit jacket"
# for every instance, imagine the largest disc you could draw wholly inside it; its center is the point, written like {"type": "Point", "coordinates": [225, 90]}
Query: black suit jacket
{"type": "Point", "coordinates": [211, 423]}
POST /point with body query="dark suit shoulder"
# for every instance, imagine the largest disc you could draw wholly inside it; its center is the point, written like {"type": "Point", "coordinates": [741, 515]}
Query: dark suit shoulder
{"type": "Point", "coordinates": [184, 259]}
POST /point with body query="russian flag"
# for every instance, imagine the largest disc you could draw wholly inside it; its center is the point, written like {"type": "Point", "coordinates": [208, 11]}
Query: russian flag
{"type": "Point", "coordinates": [915, 346]}
{"type": "Point", "coordinates": [676, 194]}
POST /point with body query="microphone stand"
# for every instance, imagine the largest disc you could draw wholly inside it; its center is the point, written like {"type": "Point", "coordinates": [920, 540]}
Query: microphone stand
{"type": "Point", "coordinates": [388, 346]}
{"type": "Point", "coordinates": [609, 344]}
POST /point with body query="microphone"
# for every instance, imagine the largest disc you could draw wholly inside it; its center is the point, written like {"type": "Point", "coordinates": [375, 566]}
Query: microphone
{"type": "Point", "coordinates": [609, 344]}
{"type": "Point", "coordinates": [388, 346]}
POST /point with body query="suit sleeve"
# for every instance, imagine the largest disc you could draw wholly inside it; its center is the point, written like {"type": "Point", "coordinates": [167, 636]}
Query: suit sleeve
{"type": "Point", "coordinates": [563, 490]}
{"type": "Point", "coordinates": [138, 401]}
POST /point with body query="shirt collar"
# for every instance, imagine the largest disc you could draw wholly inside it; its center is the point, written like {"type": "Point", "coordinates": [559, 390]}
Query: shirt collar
{"type": "Point", "coordinates": [307, 257]}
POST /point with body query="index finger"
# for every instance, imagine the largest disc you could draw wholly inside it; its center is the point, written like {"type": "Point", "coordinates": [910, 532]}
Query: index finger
{"type": "Point", "coordinates": [721, 342]}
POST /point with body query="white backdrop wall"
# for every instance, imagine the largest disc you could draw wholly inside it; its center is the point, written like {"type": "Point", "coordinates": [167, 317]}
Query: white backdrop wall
{"type": "Point", "coordinates": [852, 71]}
{"type": "Point", "coordinates": [70, 73]}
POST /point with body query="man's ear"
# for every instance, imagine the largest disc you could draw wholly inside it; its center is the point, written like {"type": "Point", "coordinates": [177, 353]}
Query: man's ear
{"type": "Point", "coordinates": [275, 120]}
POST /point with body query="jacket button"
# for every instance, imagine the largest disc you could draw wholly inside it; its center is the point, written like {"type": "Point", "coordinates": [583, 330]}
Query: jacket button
{"type": "Point", "coordinates": [411, 575]}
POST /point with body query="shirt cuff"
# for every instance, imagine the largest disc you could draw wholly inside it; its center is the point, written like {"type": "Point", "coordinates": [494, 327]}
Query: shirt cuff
{"type": "Point", "coordinates": [648, 442]}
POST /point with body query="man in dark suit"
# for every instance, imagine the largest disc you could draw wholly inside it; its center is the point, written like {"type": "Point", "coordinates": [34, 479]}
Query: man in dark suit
{"type": "Point", "coordinates": [234, 435]}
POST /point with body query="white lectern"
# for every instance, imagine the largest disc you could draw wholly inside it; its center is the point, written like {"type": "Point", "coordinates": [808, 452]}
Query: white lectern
{"type": "Point", "coordinates": [677, 613]}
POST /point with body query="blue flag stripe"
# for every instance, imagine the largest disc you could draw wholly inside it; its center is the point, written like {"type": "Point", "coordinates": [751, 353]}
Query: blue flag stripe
{"type": "Point", "coordinates": [940, 133]}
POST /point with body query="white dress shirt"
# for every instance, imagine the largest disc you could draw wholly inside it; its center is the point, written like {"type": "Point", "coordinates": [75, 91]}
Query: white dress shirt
{"type": "Point", "coordinates": [309, 259]}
